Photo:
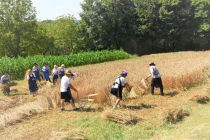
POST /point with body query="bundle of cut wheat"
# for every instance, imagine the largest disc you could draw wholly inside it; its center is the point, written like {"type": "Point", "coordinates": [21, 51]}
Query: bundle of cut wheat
{"type": "Point", "coordinates": [122, 117]}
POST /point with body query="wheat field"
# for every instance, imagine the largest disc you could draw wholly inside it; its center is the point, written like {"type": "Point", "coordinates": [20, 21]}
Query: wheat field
{"type": "Point", "coordinates": [178, 70]}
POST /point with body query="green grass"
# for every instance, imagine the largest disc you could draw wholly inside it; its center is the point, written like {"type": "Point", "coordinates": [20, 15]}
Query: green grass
{"type": "Point", "coordinates": [16, 67]}
{"type": "Point", "coordinates": [194, 127]}
{"type": "Point", "coordinates": [99, 129]}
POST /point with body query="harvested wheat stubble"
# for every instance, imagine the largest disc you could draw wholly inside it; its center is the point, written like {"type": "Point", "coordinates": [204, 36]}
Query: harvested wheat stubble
{"type": "Point", "coordinates": [121, 116]}
{"type": "Point", "coordinates": [202, 99]}
{"type": "Point", "coordinates": [175, 115]}
{"type": "Point", "coordinates": [5, 103]}
{"type": "Point", "coordinates": [18, 113]}
{"type": "Point", "coordinates": [66, 135]}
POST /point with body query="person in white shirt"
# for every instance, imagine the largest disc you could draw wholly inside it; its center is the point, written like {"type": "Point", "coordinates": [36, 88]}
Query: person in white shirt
{"type": "Point", "coordinates": [156, 78]}
{"type": "Point", "coordinates": [5, 78]}
{"type": "Point", "coordinates": [118, 86]}
{"type": "Point", "coordinates": [65, 90]}
{"type": "Point", "coordinates": [55, 74]}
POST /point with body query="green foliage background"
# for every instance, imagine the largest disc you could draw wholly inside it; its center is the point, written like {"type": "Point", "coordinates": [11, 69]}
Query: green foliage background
{"type": "Point", "coordinates": [136, 26]}
{"type": "Point", "coordinates": [17, 67]}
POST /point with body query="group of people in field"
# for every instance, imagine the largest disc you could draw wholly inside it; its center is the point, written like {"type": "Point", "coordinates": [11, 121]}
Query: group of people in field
{"type": "Point", "coordinates": [36, 74]}
{"type": "Point", "coordinates": [65, 75]}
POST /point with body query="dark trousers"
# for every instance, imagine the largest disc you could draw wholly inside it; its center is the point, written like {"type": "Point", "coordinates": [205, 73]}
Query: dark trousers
{"type": "Point", "coordinates": [156, 82]}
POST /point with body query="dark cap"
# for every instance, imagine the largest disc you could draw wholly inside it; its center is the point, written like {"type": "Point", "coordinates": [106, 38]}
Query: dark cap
{"type": "Point", "coordinates": [152, 64]}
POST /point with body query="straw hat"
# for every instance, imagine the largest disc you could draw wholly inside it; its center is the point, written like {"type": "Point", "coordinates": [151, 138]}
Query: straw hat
{"type": "Point", "coordinates": [68, 71]}
{"type": "Point", "coordinates": [62, 65]}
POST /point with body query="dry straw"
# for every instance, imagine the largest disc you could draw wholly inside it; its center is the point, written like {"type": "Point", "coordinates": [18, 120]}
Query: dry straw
{"type": "Point", "coordinates": [18, 113]}
{"type": "Point", "coordinates": [120, 116]}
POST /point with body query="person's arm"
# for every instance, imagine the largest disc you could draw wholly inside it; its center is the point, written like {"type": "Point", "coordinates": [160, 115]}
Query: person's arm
{"type": "Point", "coordinates": [128, 87]}
{"type": "Point", "coordinates": [27, 77]}
{"type": "Point", "coordinates": [73, 88]}
{"type": "Point", "coordinates": [148, 76]}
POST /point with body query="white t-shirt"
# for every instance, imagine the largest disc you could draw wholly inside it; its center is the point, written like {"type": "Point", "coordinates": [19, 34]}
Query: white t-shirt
{"type": "Point", "coordinates": [55, 71]}
{"type": "Point", "coordinates": [117, 82]}
{"type": "Point", "coordinates": [28, 76]}
{"type": "Point", "coordinates": [65, 82]}
{"type": "Point", "coordinates": [5, 78]}
{"type": "Point", "coordinates": [154, 72]}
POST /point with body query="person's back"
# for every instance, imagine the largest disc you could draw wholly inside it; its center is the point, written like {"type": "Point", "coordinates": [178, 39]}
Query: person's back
{"type": "Point", "coordinates": [120, 81]}
{"type": "Point", "coordinates": [154, 72]}
{"type": "Point", "coordinates": [156, 78]}
{"type": "Point", "coordinates": [65, 81]}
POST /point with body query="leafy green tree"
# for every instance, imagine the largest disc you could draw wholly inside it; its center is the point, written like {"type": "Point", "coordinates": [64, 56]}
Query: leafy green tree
{"type": "Point", "coordinates": [110, 23]}
{"type": "Point", "coordinates": [171, 25]}
{"type": "Point", "coordinates": [65, 33]}
{"type": "Point", "coordinates": [17, 25]}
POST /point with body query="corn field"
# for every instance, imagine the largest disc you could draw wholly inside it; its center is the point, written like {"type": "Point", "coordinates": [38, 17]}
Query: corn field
{"type": "Point", "coordinates": [16, 67]}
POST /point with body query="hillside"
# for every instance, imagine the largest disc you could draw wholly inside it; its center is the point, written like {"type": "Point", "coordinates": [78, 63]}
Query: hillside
{"type": "Point", "coordinates": [185, 75]}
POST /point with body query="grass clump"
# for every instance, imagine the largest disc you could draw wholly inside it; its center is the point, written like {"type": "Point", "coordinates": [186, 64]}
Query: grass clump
{"type": "Point", "coordinates": [201, 99]}
{"type": "Point", "coordinates": [175, 115]}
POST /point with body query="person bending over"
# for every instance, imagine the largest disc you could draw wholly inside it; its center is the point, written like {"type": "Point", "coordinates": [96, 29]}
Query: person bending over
{"type": "Point", "coordinates": [65, 90]}
{"type": "Point", "coordinates": [156, 78]}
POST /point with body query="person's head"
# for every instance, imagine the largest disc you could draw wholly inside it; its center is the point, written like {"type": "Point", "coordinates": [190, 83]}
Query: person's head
{"type": "Point", "coordinates": [28, 72]}
{"type": "Point", "coordinates": [124, 73]}
{"type": "Point", "coordinates": [152, 64]}
{"type": "Point", "coordinates": [62, 65]}
{"type": "Point", "coordinates": [68, 73]}
{"type": "Point", "coordinates": [55, 66]}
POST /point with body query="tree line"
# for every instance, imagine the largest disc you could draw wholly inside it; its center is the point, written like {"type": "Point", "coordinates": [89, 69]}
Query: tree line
{"type": "Point", "coordinates": [137, 26]}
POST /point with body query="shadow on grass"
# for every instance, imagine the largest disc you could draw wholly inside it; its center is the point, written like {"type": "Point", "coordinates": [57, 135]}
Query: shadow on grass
{"type": "Point", "coordinates": [139, 107]}
{"type": "Point", "coordinates": [16, 94]}
{"type": "Point", "coordinates": [81, 109]}
{"type": "Point", "coordinates": [172, 93]}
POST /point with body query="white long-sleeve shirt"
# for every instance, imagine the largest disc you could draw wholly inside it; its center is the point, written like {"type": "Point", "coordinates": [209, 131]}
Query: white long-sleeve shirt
{"type": "Point", "coordinates": [154, 72]}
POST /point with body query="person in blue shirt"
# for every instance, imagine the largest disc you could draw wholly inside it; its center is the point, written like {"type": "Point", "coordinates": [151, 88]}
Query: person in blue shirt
{"type": "Point", "coordinates": [61, 71]}
{"type": "Point", "coordinates": [46, 72]}
{"type": "Point", "coordinates": [36, 71]}
{"type": "Point", "coordinates": [30, 76]}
